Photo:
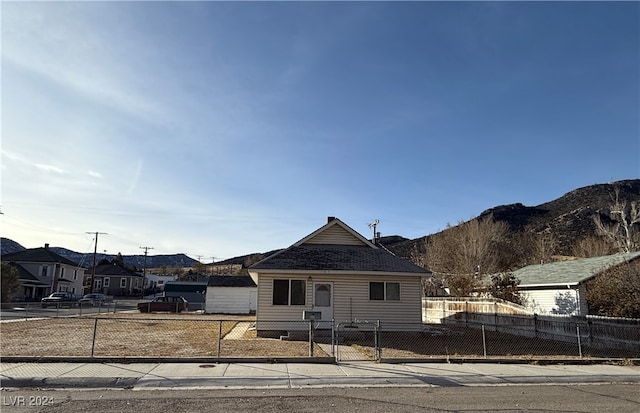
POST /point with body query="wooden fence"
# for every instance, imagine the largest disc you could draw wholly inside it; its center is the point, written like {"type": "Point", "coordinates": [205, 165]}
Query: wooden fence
{"type": "Point", "coordinates": [592, 331]}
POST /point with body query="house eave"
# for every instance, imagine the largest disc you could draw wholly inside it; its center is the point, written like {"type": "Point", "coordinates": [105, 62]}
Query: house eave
{"type": "Point", "coordinates": [338, 272]}
{"type": "Point", "coordinates": [563, 285]}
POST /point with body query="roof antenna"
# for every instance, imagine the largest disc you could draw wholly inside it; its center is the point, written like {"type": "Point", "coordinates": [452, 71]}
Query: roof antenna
{"type": "Point", "coordinates": [373, 225]}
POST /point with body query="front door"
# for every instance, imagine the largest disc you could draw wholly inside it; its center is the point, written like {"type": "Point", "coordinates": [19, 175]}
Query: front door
{"type": "Point", "coordinates": [323, 302]}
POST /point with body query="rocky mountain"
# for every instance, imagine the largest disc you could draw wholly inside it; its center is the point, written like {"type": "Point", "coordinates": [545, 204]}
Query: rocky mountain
{"type": "Point", "coordinates": [569, 218]}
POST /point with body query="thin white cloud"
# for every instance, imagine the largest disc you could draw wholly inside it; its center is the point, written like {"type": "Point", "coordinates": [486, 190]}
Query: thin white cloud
{"type": "Point", "coordinates": [50, 168]}
{"type": "Point", "coordinates": [95, 174]}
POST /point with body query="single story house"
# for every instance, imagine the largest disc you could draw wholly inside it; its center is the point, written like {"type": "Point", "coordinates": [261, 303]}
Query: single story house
{"type": "Point", "coordinates": [112, 278]}
{"type": "Point", "coordinates": [42, 272]}
{"type": "Point", "coordinates": [560, 287]}
{"type": "Point", "coordinates": [339, 274]}
{"type": "Point", "coordinates": [156, 282]}
{"type": "Point", "coordinates": [194, 292]}
{"type": "Point", "coordinates": [231, 294]}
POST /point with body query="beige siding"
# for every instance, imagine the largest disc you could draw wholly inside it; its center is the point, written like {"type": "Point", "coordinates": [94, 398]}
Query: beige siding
{"type": "Point", "coordinates": [335, 235]}
{"type": "Point", "coordinates": [351, 299]}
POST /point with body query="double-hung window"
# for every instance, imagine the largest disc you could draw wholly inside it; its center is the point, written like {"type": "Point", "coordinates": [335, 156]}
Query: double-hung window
{"type": "Point", "coordinates": [384, 291]}
{"type": "Point", "coordinates": [289, 292]}
{"type": "Point", "coordinates": [123, 282]}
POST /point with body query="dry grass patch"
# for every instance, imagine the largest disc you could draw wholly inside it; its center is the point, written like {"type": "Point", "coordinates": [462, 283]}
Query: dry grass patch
{"type": "Point", "coordinates": [145, 335]}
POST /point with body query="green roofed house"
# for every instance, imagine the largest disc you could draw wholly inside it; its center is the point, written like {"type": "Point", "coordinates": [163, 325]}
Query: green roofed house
{"type": "Point", "coordinates": [560, 287]}
{"type": "Point", "coordinates": [337, 274]}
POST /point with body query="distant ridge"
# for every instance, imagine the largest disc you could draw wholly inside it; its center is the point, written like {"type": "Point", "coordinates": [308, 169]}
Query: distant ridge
{"type": "Point", "coordinates": [569, 218]}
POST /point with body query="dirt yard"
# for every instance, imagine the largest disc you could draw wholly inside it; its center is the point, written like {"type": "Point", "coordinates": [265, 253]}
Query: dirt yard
{"type": "Point", "coordinates": [143, 335]}
{"type": "Point", "coordinates": [224, 336]}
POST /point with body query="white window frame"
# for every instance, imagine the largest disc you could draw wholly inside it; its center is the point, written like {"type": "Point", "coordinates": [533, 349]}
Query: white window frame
{"type": "Point", "coordinates": [106, 281]}
{"type": "Point", "coordinates": [123, 282]}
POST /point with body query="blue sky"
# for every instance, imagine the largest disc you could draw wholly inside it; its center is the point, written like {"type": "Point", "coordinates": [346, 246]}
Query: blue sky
{"type": "Point", "coordinates": [221, 129]}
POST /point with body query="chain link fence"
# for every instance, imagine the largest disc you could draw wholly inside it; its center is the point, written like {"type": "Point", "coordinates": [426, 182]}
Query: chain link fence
{"type": "Point", "coordinates": [122, 335]}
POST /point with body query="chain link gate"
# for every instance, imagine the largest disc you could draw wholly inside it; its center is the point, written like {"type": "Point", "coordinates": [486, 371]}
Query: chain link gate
{"type": "Point", "coordinates": [357, 341]}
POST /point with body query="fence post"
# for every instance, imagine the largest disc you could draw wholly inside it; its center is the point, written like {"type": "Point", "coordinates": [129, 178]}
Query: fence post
{"type": "Point", "coordinates": [579, 342]}
{"type": "Point", "coordinates": [310, 338]}
{"type": "Point", "coordinates": [333, 337]}
{"type": "Point", "coordinates": [219, 337]}
{"type": "Point", "coordinates": [378, 347]}
{"type": "Point", "coordinates": [466, 312]}
{"type": "Point", "coordinates": [484, 342]}
{"type": "Point", "coordinates": [93, 341]}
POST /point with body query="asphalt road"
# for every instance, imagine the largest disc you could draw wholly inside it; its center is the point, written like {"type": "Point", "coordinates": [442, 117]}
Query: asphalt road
{"type": "Point", "coordinates": [34, 310]}
{"type": "Point", "coordinates": [602, 398]}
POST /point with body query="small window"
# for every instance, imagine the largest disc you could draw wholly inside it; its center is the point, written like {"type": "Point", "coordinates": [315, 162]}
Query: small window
{"type": "Point", "coordinates": [384, 291]}
{"type": "Point", "coordinates": [106, 281]}
{"type": "Point", "coordinates": [75, 275]}
{"type": "Point", "coordinates": [61, 272]}
{"type": "Point", "coordinates": [123, 282]}
{"type": "Point", "coordinates": [44, 271]}
{"type": "Point", "coordinates": [289, 292]}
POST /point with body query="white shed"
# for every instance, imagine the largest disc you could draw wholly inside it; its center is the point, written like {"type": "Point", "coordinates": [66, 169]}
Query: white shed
{"type": "Point", "coordinates": [231, 294]}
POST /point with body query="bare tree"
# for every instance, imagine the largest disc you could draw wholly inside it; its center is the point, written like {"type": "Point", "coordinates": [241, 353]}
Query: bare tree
{"type": "Point", "coordinates": [623, 226]}
{"type": "Point", "coordinates": [544, 246]}
{"type": "Point", "coordinates": [463, 253]}
{"type": "Point", "coordinates": [616, 292]}
{"type": "Point", "coordinates": [592, 246]}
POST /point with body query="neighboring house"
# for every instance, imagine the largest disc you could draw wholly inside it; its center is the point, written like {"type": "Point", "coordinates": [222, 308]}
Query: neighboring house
{"type": "Point", "coordinates": [560, 287]}
{"type": "Point", "coordinates": [42, 272]}
{"type": "Point", "coordinates": [157, 282]}
{"type": "Point", "coordinates": [115, 279]}
{"type": "Point", "coordinates": [193, 291]}
{"type": "Point", "coordinates": [339, 273]}
{"type": "Point", "coordinates": [231, 294]}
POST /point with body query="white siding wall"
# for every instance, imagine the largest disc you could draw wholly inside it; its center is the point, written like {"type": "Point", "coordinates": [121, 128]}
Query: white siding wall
{"type": "Point", "coordinates": [556, 301]}
{"type": "Point", "coordinates": [351, 299]}
{"type": "Point", "coordinates": [230, 300]}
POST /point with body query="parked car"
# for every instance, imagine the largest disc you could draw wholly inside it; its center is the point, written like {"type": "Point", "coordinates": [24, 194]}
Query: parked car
{"type": "Point", "coordinates": [60, 299]}
{"type": "Point", "coordinates": [92, 299]}
{"type": "Point", "coordinates": [164, 303]}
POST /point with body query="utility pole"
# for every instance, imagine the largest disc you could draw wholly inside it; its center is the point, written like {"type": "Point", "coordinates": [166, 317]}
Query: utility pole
{"type": "Point", "coordinates": [144, 270]}
{"type": "Point", "coordinates": [95, 251]}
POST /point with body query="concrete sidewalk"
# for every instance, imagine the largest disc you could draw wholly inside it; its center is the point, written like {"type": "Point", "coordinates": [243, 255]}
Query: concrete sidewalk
{"type": "Point", "coordinates": [147, 376]}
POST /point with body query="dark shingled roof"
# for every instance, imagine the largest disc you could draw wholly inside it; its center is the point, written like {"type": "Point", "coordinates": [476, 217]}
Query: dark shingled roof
{"type": "Point", "coordinates": [231, 281]}
{"type": "Point", "coordinates": [114, 270]}
{"type": "Point", "coordinates": [310, 257]}
{"type": "Point", "coordinates": [37, 255]}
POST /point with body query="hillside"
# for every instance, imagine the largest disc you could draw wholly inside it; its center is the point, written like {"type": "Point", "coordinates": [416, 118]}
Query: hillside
{"type": "Point", "coordinates": [569, 218]}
